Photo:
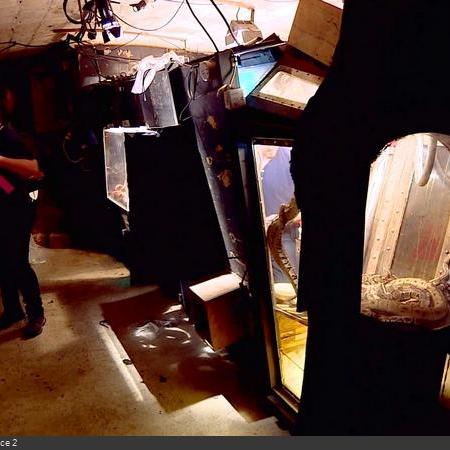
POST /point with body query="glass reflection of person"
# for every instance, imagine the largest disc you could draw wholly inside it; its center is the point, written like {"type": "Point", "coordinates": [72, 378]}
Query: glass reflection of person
{"type": "Point", "coordinates": [278, 189]}
{"type": "Point", "coordinates": [17, 168]}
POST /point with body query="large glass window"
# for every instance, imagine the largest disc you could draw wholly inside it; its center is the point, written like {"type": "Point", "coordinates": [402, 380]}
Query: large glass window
{"type": "Point", "coordinates": [407, 241]}
{"type": "Point", "coordinates": [408, 233]}
{"type": "Point", "coordinates": [282, 224]}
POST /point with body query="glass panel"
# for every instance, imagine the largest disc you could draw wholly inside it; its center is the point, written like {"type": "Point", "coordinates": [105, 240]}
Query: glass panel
{"type": "Point", "coordinates": [286, 86]}
{"type": "Point", "coordinates": [408, 233]}
{"type": "Point", "coordinates": [282, 222]}
{"type": "Point", "coordinates": [116, 168]}
{"type": "Point", "coordinates": [250, 77]}
{"type": "Point", "coordinates": [424, 224]}
{"type": "Point", "coordinates": [407, 236]}
{"type": "Point", "coordinates": [116, 162]}
{"type": "Point", "coordinates": [157, 102]}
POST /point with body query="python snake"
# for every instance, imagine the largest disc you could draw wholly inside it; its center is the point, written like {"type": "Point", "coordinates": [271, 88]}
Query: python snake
{"type": "Point", "coordinates": [384, 297]}
{"type": "Point", "coordinates": [407, 300]}
{"type": "Point", "coordinates": [274, 235]}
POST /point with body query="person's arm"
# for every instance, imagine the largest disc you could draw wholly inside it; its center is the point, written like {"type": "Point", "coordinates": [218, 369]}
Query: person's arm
{"type": "Point", "coordinates": [27, 169]}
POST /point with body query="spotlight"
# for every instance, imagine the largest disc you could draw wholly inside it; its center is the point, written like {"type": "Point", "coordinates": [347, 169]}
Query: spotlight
{"type": "Point", "coordinates": [115, 30]}
{"type": "Point", "coordinates": [108, 19]}
{"type": "Point", "coordinates": [106, 37]}
{"type": "Point", "coordinates": [138, 6]}
{"type": "Point", "coordinates": [245, 31]}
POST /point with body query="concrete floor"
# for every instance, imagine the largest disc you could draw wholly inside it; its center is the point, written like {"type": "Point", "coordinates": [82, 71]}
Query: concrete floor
{"type": "Point", "coordinates": [72, 380]}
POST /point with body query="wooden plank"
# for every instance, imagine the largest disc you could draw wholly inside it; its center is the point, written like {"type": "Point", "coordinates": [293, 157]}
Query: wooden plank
{"type": "Point", "coordinates": [316, 28]}
{"type": "Point", "coordinates": [382, 214]}
{"type": "Point", "coordinates": [401, 184]}
{"type": "Point", "coordinates": [377, 186]}
{"type": "Point", "coordinates": [390, 210]}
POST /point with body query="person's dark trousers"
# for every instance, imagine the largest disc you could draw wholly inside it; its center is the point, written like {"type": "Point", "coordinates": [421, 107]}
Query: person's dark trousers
{"type": "Point", "coordinates": [16, 274]}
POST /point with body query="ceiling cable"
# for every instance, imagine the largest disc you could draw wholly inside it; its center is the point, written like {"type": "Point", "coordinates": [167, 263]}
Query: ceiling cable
{"type": "Point", "coordinates": [225, 20]}
{"type": "Point", "coordinates": [68, 16]}
{"type": "Point", "coordinates": [200, 23]}
{"type": "Point", "coordinates": [153, 29]}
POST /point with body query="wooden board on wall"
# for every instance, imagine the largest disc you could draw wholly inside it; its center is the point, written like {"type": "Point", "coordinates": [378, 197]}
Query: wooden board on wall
{"type": "Point", "coordinates": [316, 28]}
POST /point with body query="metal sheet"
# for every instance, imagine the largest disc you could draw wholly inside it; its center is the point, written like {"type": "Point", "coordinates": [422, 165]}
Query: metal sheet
{"type": "Point", "coordinates": [424, 226]}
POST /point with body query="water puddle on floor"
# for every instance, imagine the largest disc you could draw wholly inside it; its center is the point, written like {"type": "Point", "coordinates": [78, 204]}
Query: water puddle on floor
{"type": "Point", "coordinates": [179, 368]}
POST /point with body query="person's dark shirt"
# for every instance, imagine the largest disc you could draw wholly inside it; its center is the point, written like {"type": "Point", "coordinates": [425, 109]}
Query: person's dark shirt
{"type": "Point", "coordinates": [12, 145]}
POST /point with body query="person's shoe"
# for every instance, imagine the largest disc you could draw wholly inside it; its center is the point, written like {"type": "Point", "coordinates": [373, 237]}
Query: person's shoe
{"type": "Point", "coordinates": [34, 326]}
{"type": "Point", "coordinates": [7, 320]}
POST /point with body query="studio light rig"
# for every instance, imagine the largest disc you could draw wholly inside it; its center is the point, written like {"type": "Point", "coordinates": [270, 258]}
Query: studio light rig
{"type": "Point", "coordinates": [96, 15]}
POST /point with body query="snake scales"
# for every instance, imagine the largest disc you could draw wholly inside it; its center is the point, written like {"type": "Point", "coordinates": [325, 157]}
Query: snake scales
{"type": "Point", "coordinates": [407, 300]}
{"type": "Point", "coordinates": [384, 297]}
{"type": "Point", "coordinates": [274, 235]}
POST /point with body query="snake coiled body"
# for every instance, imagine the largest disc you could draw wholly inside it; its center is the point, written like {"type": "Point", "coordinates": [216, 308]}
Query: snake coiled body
{"type": "Point", "coordinates": [407, 300]}
{"type": "Point", "coordinates": [274, 236]}
{"type": "Point", "coordinates": [384, 297]}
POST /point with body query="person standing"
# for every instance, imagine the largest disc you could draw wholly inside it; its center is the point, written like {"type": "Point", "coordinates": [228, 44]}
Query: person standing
{"type": "Point", "coordinates": [18, 168]}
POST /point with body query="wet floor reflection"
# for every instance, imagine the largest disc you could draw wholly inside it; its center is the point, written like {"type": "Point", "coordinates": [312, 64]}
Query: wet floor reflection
{"type": "Point", "coordinates": [175, 364]}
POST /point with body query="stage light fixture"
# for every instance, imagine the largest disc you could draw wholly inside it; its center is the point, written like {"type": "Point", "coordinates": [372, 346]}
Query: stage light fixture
{"type": "Point", "coordinates": [108, 20]}
{"type": "Point", "coordinates": [245, 31]}
{"type": "Point", "coordinates": [138, 6]}
{"type": "Point", "coordinates": [106, 37]}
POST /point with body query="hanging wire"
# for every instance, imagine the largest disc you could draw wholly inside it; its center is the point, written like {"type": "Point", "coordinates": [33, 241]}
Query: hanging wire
{"type": "Point", "coordinates": [234, 72]}
{"type": "Point", "coordinates": [157, 28]}
{"type": "Point", "coordinates": [225, 20]}
{"type": "Point", "coordinates": [96, 65]}
{"type": "Point", "coordinates": [68, 16]}
{"type": "Point", "coordinates": [126, 43]}
{"type": "Point", "coordinates": [243, 278]}
{"type": "Point", "coordinates": [200, 23]}
{"type": "Point", "coordinates": [67, 155]}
